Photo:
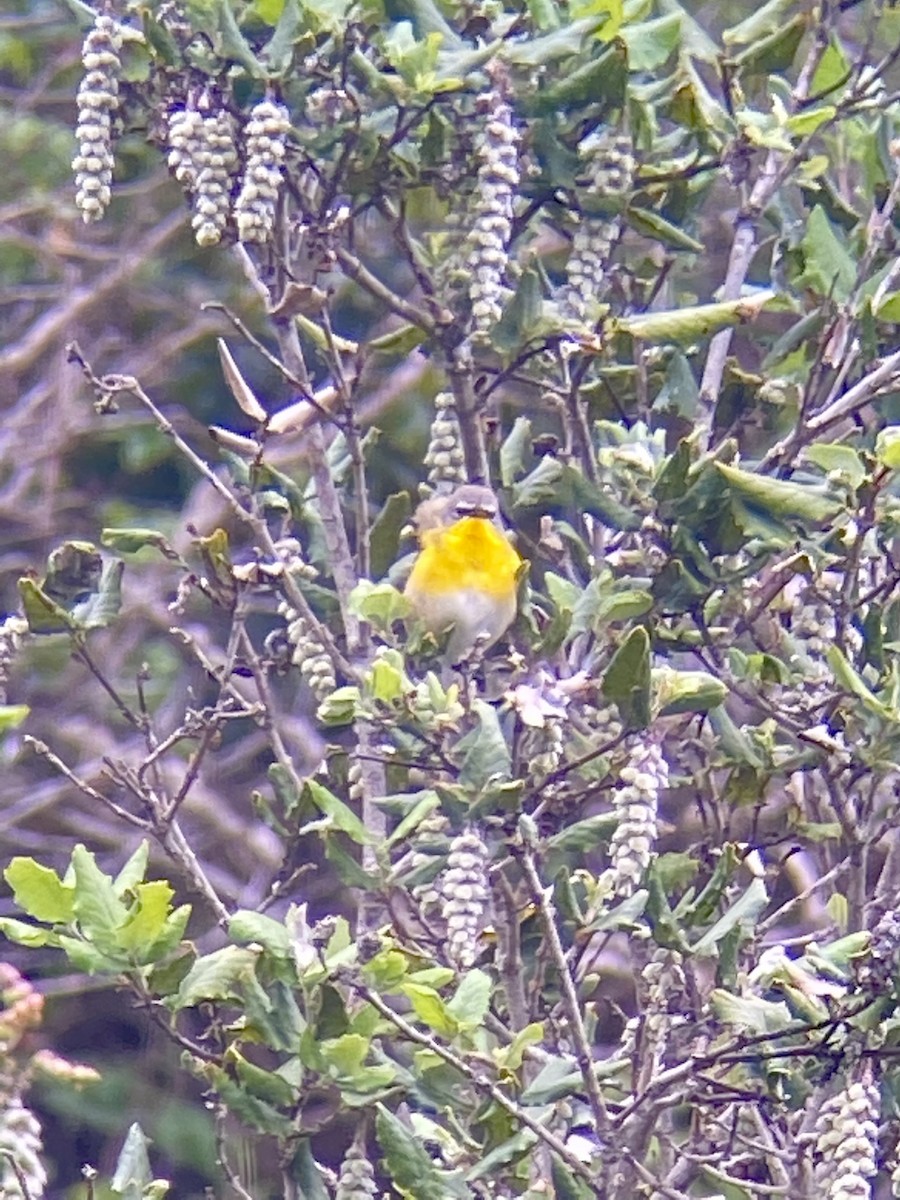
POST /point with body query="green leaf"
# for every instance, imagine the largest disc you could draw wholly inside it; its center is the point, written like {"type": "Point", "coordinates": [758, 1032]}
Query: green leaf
{"type": "Point", "coordinates": [264, 1085]}
{"type": "Point", "coordinates": [25, 934]}
{"type": "Point", "coordinates": [695, 41]}
{"type": "Point", "coordinates": [248, 926]}
{"type": "Point", "coordinates": [99, 910]}
{"type": "Point", "coordinates": [602, 79]}
{"type": "Point", "coordinates": [384, 538]}
{"type": "Point", "coordinates": [685, 691]}
{"type": "Point", "coordinates": [834, 457]}
{"type": "Point", "coordinates": [561, 43]}
{"type": "Point", "coordinates": [134, 870]}
{"type": "Point", "coordinates": [851, 682]}
{"type": "Point", "coordinates": [809, 120]}
{"type": "Point", "coordinates": [342, 816]}
{"type": "Point", "coordinates": [216, 976]}
{"type": "Point", "coordinates": [584, 835]}
{"type": "Point", "coordinates": [513, 451]}
{"type": "Point", "coordinates": [521, 315]}
{"type": "Point", "coordinates": [658, 229]}
{"type": "Point", "coordinates": [132, 1174]}
{"type": "Point", "coordinates": [131, 540]}
{"type": "Point", "coordinates": [889, 308]}
{"type": "Point", "coordinates": [679, 393]}
{"type": "Point", "coordinates": [12, 716]}
{"type": "Point", "coordinates": [42, 614]}
{"type": "Point", "coordinates": [91, 959]}
{"type": "Point", "coordinates": [752, 1013]}
{"type": "Point", "coordinates": [887, 447]}
{"type": "Point", "coordinates": [627, 679]}
{"type": "Point", "coordinates": [290, 27]}
{"type": "Point", "coordinates": [511, 1057]}
{"type": "Point", "coordinates": [832, 70]}
{"type": "Point", "coordinates": [741, 915]}
{"type": "Point", "coordinates": [483, 753]}
{"type": "Point", "coordinates": [558, 1077]}
{"type": "Point", "coordinates": [233, 43]}
{"type": "Point", "coordinates": [40, 892]}
{"type": "Point", "coordinates": [431, 1009]}
{"type": "Point", "coordinates": [146, 919]}
{"type": "Point", "coordinates": [471, 1000]}
{"type": "Point", "coordinates": [685, 324]}
{"type": "Point", "coordinates": [651, 42]}
{"type": "Point", "coordinates": [305, 1172]}
{"type": "Point", "coordinates": [381, 604]}
{"type": "Point", "coordinates": [563, 592]}
{"type": "Point", "coordinates": [829, 268]}
{"type": "Point", "coordinates": [256, 1113]}
{"type": "Point", "coordinates": [427, 803]}
{"type": "Point", "coordinates": [102, 608]}
{"type": "Point", "coordinates": [780, 497]}
{"type": "Point", "coordinates": [764, 20]}
{"type": "Point", "coordinates": [344, 1055]}
{"type": "Point", "coordinates": [411, 1168]}
{"type": "Point", "coordinates": [774, 53]}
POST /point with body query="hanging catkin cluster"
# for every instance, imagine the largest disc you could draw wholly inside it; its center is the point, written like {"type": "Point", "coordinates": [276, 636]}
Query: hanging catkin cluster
{"type": "Point", "coordinates": [203, 158]}
{"type": "Point", "coordinates": [13, 631]}
{"type": "Point", "coordinates": [444, 457]}
{"type": "Point", "coordinates": [266, 135]}
{"type": "Point", "coordinates": [98, 106]}
{"type": "Point", "coordinates": [498, 181]}
{"type": "Point", "coordinates": [635, 801]}
{"type": "Point", "coordinates": [309, 654]}
{"type": "Point", "coordinates": [464, 892]}
{"type": "Point", "coordinates": [357, 1177]}
{"type": "Point", "coordinates": [846, 1148]}
{"type": "Point", "coordinates": [608, 175]}
{"type": "Point", "coordinates": [881, 966]}
{"type": "Point", "coordinates": [20, 1130]}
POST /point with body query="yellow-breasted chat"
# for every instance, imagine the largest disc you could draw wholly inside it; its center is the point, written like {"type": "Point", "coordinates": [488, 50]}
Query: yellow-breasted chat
{"type": "Point", "coordinates": [465, 575]}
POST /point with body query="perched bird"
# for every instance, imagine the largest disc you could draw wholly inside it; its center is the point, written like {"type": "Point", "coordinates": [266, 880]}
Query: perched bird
{"type": "Point", "coordinates": [466, 572]}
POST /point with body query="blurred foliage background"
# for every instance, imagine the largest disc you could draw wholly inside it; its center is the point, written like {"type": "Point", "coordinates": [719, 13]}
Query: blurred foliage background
{"type": "Point", "coordinates": [140, 297]}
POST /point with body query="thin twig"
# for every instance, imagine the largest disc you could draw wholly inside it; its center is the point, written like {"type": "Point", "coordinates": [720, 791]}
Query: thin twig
{"type": "Point", "coordinates": [585, 1058]}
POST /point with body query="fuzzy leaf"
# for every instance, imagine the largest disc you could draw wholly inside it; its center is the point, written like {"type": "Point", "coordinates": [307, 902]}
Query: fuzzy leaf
{"type": "Point", "coordinates": [216, 976]}
{"type": "Point", "coordinates": [829, 266]}
{"type": "Point", "coordinates": [12, 716]}
{"type": "Point", "coordinates": [483, 753]}
{"type": "Point", "coordinates": [147, 918]}
{"type": "Point", "coordinates": [384, 537]}
{"type": "Point", "coordinates": [248, 926]}
{"type": "Point", "coordinates": [471, 999]}
{"type": "Point", "coordinates": [781, 497]}
{"type": "Point", "coordinates": [132, 1174]}
{"type": "Point", "coordinates": [411, 1168]}
{"type": "Point", "coordinates": [685, 324]}
{"type": "Point", "coordinates": [651, 42]}
{"type": "Point", "coordinates": [342, 815]}
{"type": "Point", "coordinates": [627, 679]}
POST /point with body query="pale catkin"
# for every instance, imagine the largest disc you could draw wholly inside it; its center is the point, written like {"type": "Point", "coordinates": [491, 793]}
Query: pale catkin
{"type": "Point", "coordinates": [846, 1148]}
{"type": "Point", "coordinates": [444, 457]}
{"type": "Point", "coordinates": [497, 151]}
{"type": "Point", "coordinates": [635, 802]}
{"type": "Point", "coordinates": [357, 1177]}
{"type": "Point", "coordinates": [308, 653]}
{"type": "Point", "coordinates": [203, 157]}
{"type": "Point", "coordinates": [98, 108]}
{"type": "Point", "coordinates": [608, 172]}
{"type": "Point", "coordinates": [266, 146]}
{"type": "Point", "coordinates": [465, 892]}
{"type": "Point", "coordinates": [21, 1140]}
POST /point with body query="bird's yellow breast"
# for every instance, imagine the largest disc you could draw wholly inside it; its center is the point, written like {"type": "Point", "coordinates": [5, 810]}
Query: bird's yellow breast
{"type": "Point", "coordinates": [470, 554]}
